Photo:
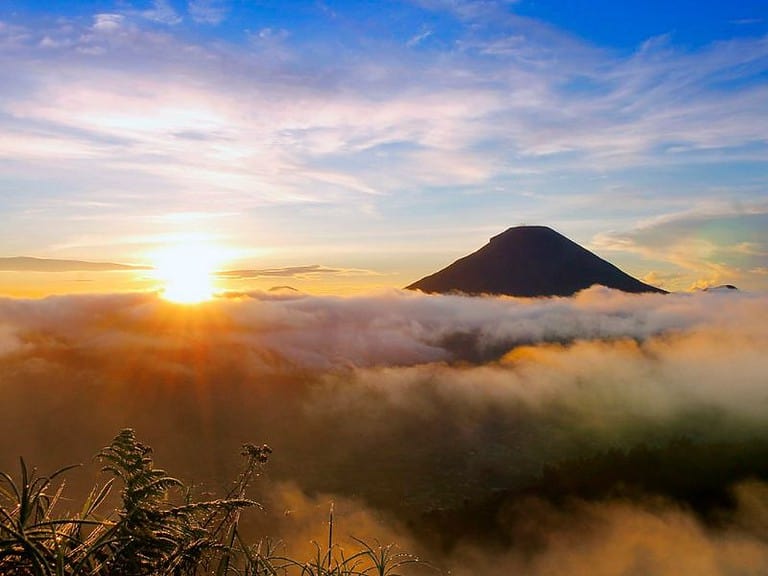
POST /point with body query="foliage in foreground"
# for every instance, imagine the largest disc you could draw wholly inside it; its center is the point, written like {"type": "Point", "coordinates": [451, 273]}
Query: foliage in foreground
{"type": "Point", "coordinates": [153, 534]}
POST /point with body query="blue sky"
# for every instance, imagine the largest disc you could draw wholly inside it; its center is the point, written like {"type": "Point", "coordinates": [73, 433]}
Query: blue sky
{"type": "Point", "coordinates": [374, 142]}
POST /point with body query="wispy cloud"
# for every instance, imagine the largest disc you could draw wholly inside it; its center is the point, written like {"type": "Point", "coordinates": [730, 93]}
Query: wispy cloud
{"type": "Point", "coordinates": [162, 12]}
{"type": "Point", "coordinates": [712, 245]}
{"type": "Point", "coordinates": [470, 9]}
{"type": "Point", "coordinates": [419, 38]}
{"type": "Point", "coordinates": [107, 22]}
{"type": "Point", "coordinates": [747, 21]}
{"type": "Point", "coordinates": [537, 111]}
{"type": "Point", "coordinates": [637, 94]}
{"type": "Point", "coordinates": [30, 264]}
{"type": "Point", "coordinates": [208, 11]}
{"type": "Point", "coordinates": [309, 271]}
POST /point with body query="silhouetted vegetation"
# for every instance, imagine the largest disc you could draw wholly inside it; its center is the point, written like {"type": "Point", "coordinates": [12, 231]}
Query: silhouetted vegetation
{"type": "Point", "coordinates": [159, 529]}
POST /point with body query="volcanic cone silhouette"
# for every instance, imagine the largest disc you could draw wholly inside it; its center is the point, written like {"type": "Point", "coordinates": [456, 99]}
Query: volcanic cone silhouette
{"type": "Point", "coordinates": [529, 261]}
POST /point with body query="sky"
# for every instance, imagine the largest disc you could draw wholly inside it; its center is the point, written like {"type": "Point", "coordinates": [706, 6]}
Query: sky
{"type": "Point", "coordinates": [340, 147]}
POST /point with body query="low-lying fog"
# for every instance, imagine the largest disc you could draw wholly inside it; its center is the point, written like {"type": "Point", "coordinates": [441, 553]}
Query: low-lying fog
{"type": "Point", "coordinates": [601, 434]}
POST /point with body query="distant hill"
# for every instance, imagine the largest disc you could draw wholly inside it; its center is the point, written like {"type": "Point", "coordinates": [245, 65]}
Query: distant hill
{"type": "Point", "coordinates": [722, 288]}
{"type": "Point", "coordinates": [529, 261]}
{"type": "Point", "coordinates": [283, 289]}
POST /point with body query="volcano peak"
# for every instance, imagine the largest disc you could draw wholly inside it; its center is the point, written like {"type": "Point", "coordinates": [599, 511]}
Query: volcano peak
{"type": "Point", "coordinates": [529, 261]}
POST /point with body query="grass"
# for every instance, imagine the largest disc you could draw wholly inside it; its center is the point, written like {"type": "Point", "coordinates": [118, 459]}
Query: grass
{"type": "Point", "coordinates": [160, 529]}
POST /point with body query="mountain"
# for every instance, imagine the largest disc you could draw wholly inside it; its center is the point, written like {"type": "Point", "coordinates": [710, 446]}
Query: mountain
{"type": "Point", "coordinates": [529, 261]}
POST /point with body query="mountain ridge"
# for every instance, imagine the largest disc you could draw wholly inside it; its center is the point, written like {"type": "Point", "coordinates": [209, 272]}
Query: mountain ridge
{"type": "Point", "coordinates": [529, 261]}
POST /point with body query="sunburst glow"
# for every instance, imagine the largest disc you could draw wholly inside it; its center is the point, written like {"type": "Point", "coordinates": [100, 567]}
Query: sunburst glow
{"type": "Point", "coordinates": [186, 272]}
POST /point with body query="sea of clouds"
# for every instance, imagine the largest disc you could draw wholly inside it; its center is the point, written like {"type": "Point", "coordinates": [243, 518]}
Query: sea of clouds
{"type": "Point", "coordinates": [605, 433]}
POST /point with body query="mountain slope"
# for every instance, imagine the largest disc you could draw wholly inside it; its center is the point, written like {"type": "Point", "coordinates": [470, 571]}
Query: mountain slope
{"type": "Point", "coordinates": [529, 261]}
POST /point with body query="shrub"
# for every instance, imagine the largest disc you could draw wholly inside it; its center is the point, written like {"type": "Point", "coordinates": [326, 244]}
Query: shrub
{"type": "Point", "coordinates": [159, 529]}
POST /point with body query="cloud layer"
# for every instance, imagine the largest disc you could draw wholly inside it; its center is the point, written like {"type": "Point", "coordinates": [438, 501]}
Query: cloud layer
{"type": "Point", "coordinates": [483, 432]}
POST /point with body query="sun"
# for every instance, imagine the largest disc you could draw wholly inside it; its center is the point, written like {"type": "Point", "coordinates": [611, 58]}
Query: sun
{"type": "Point", "coordinates": [186, 272]}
